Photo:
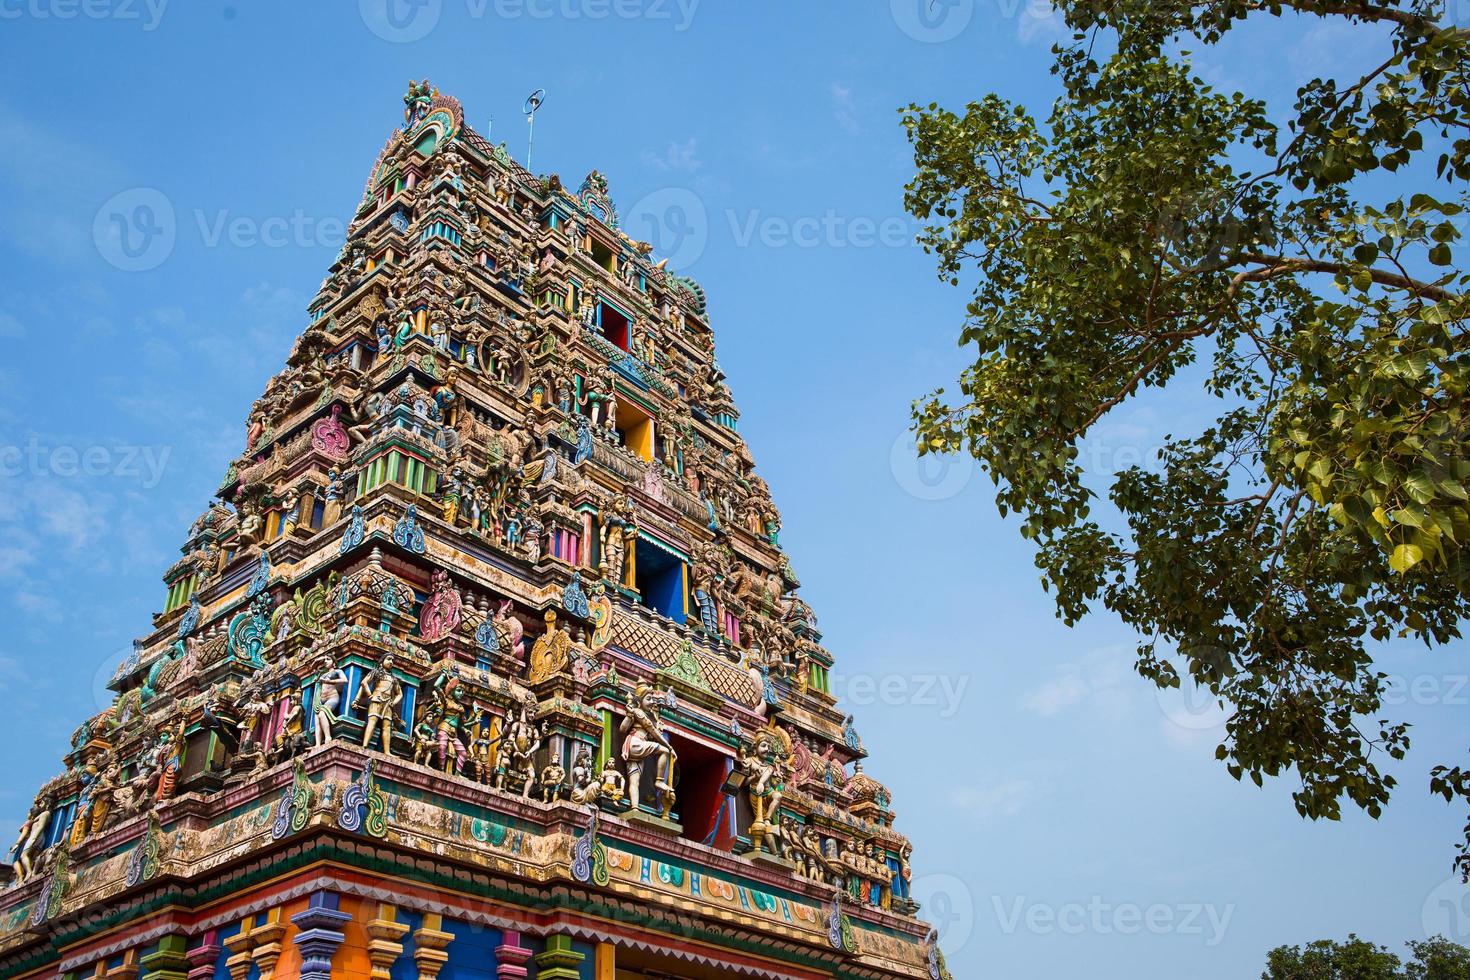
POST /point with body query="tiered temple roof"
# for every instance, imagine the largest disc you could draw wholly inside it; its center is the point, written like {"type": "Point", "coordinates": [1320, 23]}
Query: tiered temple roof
{"type": "Point", "coordinates": [488, 652]}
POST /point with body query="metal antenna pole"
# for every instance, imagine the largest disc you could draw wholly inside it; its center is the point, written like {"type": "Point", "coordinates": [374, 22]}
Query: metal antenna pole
{"type": "Point", "coordinates": [533, 102]}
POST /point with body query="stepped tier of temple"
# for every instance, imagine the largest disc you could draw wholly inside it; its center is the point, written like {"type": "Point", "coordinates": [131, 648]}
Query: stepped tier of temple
{"type": "Point", "coordinates": [487, 660]}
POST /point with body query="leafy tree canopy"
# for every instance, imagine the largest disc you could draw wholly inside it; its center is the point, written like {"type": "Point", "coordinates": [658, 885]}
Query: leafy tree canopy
{"type": "Point", "coordinates": [1355, 959]}
{"type": "Point", "coordinates": [1153, 231]}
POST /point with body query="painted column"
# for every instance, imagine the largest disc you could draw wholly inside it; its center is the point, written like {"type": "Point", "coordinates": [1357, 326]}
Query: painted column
{"type": "Point", "coordinates": [560, 961]}
{"type": "Point", "coordinates": [126, 970]}
{"type": "Point", "coordinates": [429, 942]}
{"type": "Point", "coordinates": [605, 962]}
{"type": "Point", "coordinates": [268, 936]}
{"type": "Point", "coordinates": [511, 957]}
{"type": "Point", "coordinates": [169, 962]}
{"type": "Point", "coordinates": [239, 946]}
{"type": "Point", "coordinates": [203, 957]}
{"type": "Point", "coordinates": [319, 934]}
{"type": "Point", "coordinates": [385, 941]}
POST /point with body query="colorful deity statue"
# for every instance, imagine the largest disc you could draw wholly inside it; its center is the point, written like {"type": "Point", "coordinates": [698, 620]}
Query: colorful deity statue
{"type": "Point", "coordinates": [382, 694]}
{"type": "Point", "coordinates": [767, 764]}
{"type": "Point", "coordinates": [31, 840]}
{"type": "Point", "coordinates": [644, 741]}
{"type": "Point", "coordinates": [330, 683]}
{"type": "Point", "coordinates": [519, 742]}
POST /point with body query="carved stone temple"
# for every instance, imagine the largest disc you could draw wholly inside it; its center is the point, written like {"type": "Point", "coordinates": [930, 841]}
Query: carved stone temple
{"type": "Point", "coordinates": [486, 662]}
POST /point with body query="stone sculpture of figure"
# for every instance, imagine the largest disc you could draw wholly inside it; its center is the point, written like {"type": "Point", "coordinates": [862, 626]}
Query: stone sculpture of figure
{"type": "Point", "coordinates": [439, 331]}
{"type": "Point", "coordinates": [29, 842]}
{"type": "Point", "coordinates": [644, 740]}
{"type": "Point", "coordinates": [503, 361]}
{"type": "Point", "coordinates": [283, 623]}
{"type": "Point", "coordinates": [291, 739]}
{"type": "Point", "coordinates": [614, 550]}
{"type": "Point", "coordinates": [446, 712]}
{"type": "Point", "coordinates": [168, 759]}
{"type": "Point", "coordinates": [382, 694]}
{"type": "Point", "coordinates": [474, 348]}
{"type": "Point", "coordinates": [612, 784]}
{"type": "Point", "coordinates": [484, 749]}
{"type": "Point", "coordinates": [331, 681]}
{"type": "Point", "coordinates": [584, 786]}
{"type": "Point", "coordinates": [553, 781]}
{"type": "Point", "coordinates": [767, 765]}
{"type": "Point", "coordinates": [506, 622]}
{"type": "Point", "coordinates": [522, 737]}
{"type": "Point", "coordinates": [425, 742]}
{"type": "Point", "coordinates": [252, 713]}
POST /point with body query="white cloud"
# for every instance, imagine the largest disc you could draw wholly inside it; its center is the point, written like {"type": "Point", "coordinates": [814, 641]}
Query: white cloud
{"type": "Point", "coordinates": [1004, 799]}
{"type": "Point", "coordinates": [1039, 21]}
{"type": "Point", "coordinates": [1098, 680]}
{"type": "Point", "coordinates": [845, 109]}
{"type": "Point", "coordinates": [677, 158]}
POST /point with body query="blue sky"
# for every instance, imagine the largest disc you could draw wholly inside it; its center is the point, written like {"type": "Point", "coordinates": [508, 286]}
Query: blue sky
{"type": "Point", "coordinates": [1066, 818]}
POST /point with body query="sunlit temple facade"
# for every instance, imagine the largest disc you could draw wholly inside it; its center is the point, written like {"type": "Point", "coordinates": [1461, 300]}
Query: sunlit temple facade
{"type": "Point", "coordinates": [487, 660]}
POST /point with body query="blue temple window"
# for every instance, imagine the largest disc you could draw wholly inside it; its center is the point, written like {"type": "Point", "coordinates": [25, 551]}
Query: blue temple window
{"type": "Point", "coordinates": [659, 578]}
{"type": "Point", "coordinates": [354, 681]}
{"type": "Point", "coordinates": [61, 820]}
{"type": "Point", "coordinates": [405, 710]}
{"type": "Point", "coordinates": [318, 513]}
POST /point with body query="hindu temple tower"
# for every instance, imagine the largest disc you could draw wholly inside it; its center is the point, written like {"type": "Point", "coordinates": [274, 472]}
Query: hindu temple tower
{"type": "Point", "coordinates": [487, 661]}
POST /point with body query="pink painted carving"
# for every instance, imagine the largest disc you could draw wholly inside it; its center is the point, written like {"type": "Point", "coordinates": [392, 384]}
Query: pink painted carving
{"type": "Point", "coordinates": [441, 614]}
{"type": "Point", "coordinates": [329, 438]}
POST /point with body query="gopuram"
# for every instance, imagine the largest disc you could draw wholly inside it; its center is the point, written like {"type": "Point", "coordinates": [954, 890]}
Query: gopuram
{"type": "Point", "coordinates": [486, 662]}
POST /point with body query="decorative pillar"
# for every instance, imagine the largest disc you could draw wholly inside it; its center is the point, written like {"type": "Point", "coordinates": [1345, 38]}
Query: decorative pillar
{"type": "Point", "coordinates": [202, 958]}
{"type": "Point", "coordinates": [385, 941]}
{"type": "Point", "coordinates": [560, 961]}
{"type": "Point", "coordinates": [268, 936]}
{"type": "Point", "coordinates": [126, 970]}
{"type": "Point", "coordinates": [169, 961]}
{"type": "Point", "coordinates": [239, 946]}
{"type": "Point", "coordinates": [429, 941]}
{"type": "Point", "coordinates": [605, 962]}
{"type": "Point", "coordinates": [319, 934]}
{"type": "Point", "coordinates": [511, 956]}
